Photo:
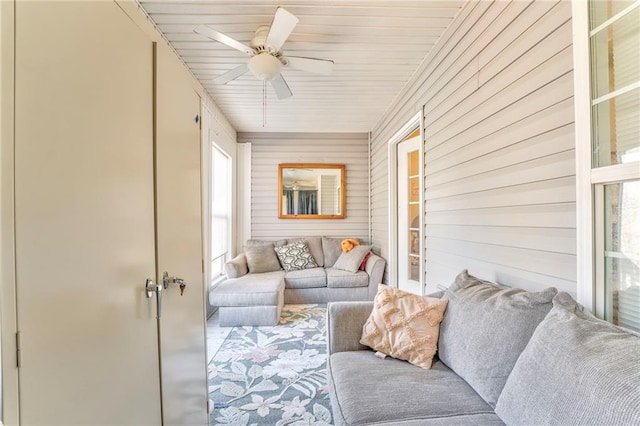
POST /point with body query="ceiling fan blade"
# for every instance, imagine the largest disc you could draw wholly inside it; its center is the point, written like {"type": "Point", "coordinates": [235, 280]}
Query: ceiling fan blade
{"type": "Point", "coordinates": [282, 25]}
{"type": "Point", "coordinates": [222, 38]}
{"type": "Point", "coordinates": [231, 75]}
{"type": "Point", "coordinates": [281, 88]}
{"type": "Point", "coordinates": [317, 66]}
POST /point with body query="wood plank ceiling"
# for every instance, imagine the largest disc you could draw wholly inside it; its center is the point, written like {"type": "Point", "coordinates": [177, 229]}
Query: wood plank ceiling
{"type": "Point", "coordinates": [376, 46]}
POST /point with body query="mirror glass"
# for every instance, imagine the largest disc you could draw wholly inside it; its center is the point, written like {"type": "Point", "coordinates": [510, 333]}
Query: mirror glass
{"type": "Point", "coordinates": [311, 191]}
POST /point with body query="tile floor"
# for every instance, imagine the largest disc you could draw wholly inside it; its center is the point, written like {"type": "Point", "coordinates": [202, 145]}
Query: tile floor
{"type": "Point", "coordinates": [215, 335]}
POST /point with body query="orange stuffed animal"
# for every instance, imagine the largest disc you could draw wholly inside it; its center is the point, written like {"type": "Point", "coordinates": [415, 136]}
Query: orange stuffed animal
{"type": "Point", "coordinates": [348, 244]}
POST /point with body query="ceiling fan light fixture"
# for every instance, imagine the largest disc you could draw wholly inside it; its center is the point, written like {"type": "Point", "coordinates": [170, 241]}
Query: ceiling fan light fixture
{"type": "Point", "coordinates": [265, 66]}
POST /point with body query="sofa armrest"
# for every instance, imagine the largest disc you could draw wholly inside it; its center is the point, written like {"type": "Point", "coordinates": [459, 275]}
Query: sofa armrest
{"type": "Point", "coordinates": [375, 269]}
{"type": "Point", "coordinates": [236, 267]}
{"type": "Point", "coordinates": [344, 325]}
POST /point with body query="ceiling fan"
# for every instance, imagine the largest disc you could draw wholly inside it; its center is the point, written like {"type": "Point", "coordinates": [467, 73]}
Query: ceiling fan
{"type": "Point", "coordinates": [267, 58]}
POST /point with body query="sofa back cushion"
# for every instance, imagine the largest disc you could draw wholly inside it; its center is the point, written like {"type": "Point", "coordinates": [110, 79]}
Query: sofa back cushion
{"type": "Point", "coordinates": [576, 369]}
{"type": "Point", "coordinates": [485, 328]}
{"type": "Point", "coordinates": [332, 249]}
{"type": "Point", "coordinates": [276, 243]}
{"type": "Point", "coordinates": [315, 247]}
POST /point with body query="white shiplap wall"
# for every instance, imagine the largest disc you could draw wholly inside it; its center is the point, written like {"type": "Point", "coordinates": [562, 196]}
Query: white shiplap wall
{"type": "Point", "coordinates": [270, 149]}
{"type": "Point", "coordinates": [497, 93]}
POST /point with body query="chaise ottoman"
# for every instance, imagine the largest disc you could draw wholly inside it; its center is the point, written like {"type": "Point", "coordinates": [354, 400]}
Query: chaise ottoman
{"type": "Point", "coordinates": [251, 300]}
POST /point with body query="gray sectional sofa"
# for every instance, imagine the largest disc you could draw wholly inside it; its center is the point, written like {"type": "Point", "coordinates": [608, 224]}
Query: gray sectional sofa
{"type": "Point", "coordinates": [505, 356]}
{"type": "Point", "coordinates": [257, 287]}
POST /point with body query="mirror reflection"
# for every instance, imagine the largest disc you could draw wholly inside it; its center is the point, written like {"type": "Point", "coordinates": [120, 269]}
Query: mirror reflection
{"type": "Point", "coordinates": [311, 191]}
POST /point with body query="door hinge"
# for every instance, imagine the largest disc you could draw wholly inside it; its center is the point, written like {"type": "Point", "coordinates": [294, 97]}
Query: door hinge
{"type": "Point", "coordinates": [18, 351]}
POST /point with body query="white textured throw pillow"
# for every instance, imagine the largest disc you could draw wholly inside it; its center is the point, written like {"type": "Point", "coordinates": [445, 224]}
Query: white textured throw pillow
{"type": "Point", "coordinates": [296, 256]}
{"type": "Point", "coordinates": [404, 325]}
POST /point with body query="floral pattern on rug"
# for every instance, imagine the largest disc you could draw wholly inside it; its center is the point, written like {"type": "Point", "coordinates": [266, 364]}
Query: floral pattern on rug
{"type": "Point", "coordinates": [273, 375]}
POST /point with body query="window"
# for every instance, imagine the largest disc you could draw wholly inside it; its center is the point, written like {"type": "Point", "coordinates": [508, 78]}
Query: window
{"type": "Point", "coordinates": [220, 211]}
{"type": "Point", "coordinates": [607, 73]}
{"type": "Point", "coordinates": [621, 254]}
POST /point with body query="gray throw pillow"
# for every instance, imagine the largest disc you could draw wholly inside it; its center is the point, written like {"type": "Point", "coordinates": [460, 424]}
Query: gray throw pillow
{"type": "Point", "coordinates": [332, 249]}
{"type": "Point", "coordinates": [237, 266]}
{"type": "Point", "coordinates": [576, 369]}
{"type": "Point", "coordinates": [351, 260]}
{"type": "Point", "coordinates": [295, 256]}
{"type": "Point", "coordinates": [276, 243]}
{"type": "Point", "coordinates": [485, 328]}
{"type": "Point", "coordinates": [261, 258]}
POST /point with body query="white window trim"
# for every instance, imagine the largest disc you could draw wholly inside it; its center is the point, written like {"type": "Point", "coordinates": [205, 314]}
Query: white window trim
{"type": "Point", "coordinates": [243, 210]}
{"type": "Point", "coordinates": [590, 182]}
{"type": "Point", "coordinates": [584, 191]}
{"type": "Point", "coordinates": [392, 172]}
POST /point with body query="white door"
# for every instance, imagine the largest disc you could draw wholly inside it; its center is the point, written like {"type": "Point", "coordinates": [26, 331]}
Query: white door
{"type": "Point", "coordinates": [84, 216]}
{"type": "Point", "coordinates": [180, 243]}
{"type": "Point", "coordinates": [89, 229]}
{"type": "Point", "coordinates": [409, 216]}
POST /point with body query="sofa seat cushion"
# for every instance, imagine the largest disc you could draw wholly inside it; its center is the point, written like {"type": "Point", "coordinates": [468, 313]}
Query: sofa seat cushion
{"type": "Point", "coordinates": [306, 278]}
{"type": "Point", "coordinates": [365, 389]}
{"type": "Point", "coordinates": [337, 278]}
{"type": "Point", "coordinates": [576, 369]}
{"type": "Point", "coordinates": [262, 289]}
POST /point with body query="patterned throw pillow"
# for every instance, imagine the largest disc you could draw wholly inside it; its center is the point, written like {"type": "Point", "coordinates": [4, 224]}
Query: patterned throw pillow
{"type": "Point", "coordinates": [296, 256]}
{"type": "Point", "coordinates": [404, 325]}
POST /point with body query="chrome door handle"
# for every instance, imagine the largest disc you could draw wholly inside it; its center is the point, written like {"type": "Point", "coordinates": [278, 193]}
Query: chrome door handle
{"type": "Point", "coordinates": [151, 288]}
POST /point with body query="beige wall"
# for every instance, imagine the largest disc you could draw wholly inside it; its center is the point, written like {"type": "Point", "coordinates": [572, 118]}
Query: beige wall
{"type": "Point", "coordinates": [497, 95]}
{"type": "Point", "coordinates": [270, 149]}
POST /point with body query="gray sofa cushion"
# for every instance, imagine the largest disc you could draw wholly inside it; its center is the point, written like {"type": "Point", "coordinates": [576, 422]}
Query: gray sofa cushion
{"type": "Point", "coordinates": [351, 260]}
{"type": "Point", "coordinates": [276, 243]}
{"type": "Point", "coordinates": [262, 258]}
{"type": "Point", "coordinates": [365, 389]}
{"type": "Point", "coordinates": [236, 267]}
{"type": "Point", "coordinates": [315, 247]}
{"type": "Point", "coordinates": [250, 290]}
{"type": "Point", "coordinates": [332, 249]}
{"type": "Point", "coordinates": [306, 278]}
{"type": "Point", "coordinates": [337, 278]}
{"type": "Point", "coordinates": [576, 369]}
{"type": "Point", "coordinates": [485, 328]}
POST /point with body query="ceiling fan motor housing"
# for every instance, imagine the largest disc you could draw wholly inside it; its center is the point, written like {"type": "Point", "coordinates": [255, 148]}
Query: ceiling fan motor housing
{"type": "Point", "coordinates": [259, 40]}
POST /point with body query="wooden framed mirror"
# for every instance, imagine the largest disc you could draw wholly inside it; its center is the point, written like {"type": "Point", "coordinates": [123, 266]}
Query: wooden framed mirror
{"type": "Point", "coordinates": [311, 191]}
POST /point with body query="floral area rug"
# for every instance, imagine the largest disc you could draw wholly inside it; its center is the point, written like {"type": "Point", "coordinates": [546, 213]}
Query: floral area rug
{"type": "Point", "coordinates": [273, 375]}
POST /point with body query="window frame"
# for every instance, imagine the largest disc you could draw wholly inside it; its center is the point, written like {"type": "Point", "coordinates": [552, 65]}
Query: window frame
{"type": "Point", "coordinates": [590, 181]}
{"type": "Point", "coordinates": [226, 254]}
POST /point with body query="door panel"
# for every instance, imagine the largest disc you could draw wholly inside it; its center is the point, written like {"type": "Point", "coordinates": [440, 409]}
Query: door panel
{"type": "Point", "coordinates": [84, 216]}
{"type": "Point", "coordinates": [409, 213]}
{"type": "Point", "coordinates": [179, 221]}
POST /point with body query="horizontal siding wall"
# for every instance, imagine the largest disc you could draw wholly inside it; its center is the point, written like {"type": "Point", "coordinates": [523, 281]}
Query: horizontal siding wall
{"type": "Point", "coordinates": [271, 149]}
{"type": "Point", "coordinates": [497, 96]}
